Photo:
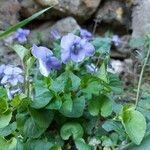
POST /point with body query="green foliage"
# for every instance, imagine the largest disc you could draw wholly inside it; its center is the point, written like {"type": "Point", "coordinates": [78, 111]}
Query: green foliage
{"type": "Point", "coordinates": [102, 45]}
{"type": "Point", "coordinates": [71, 108]}
{"type": "Point", "coordinates": [8, 145]}
{"type": "Point", "coordinates": [5, 118]}
{"type": "Point", "coordinates": [71, 129]}
{"type": "Point", "coordinates": [21, 51]}
{"type": "Point", "coordinates": [134, 123]}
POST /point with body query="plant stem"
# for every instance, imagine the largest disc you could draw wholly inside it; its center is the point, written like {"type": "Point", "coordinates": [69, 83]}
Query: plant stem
{"type": "Point", "coordinates": [141, 76]}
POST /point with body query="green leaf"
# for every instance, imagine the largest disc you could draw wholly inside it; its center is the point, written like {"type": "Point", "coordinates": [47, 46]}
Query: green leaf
{"type": "Point", "coordinates": [38, 145]}
{"type": "Point", "coordinates": [71, 129]}
{"type": "Point", "coordinates": [102, 73]}
{"type": "Point", "coordinates": [77, 108]}
{"type": "Point", "coordinates": [42, 100]}
{"type": "Point", "coordinates": [21, 51]}
{"type": "Point", "coordinates": [81, 145]}
{"type": "Point", "coordinates": [93, 88]}
{"type": "Point", "coordinates": [8, 145]}
{"type": "Point", "coordinates": [102, 45]}
{"type": "Point", "coordinates": [31, 129]}
{"type": "Point", "coordinates": [58, 85]}
{"type": "Point", "coordinates": [107, 106]}
{"type": "Point", "coordinates": [115, 84]}
{"type": "Point", "coordinates": [143, 146]}
{"type": "Point", "coordinates": [16, 101]}
{"type": "Point", "coordinates": [94, 107]}
{"type": "Point", "coordinates": [75, 81]}
{"type": "Point", "coordinates": [9, 129]}
{"type": "Point", "coordinates": [111, 125]}
{"type": "Point", "coordinates": [23, 23]}
{"type": "Point", "coordinates": [3, 93]}
{"type": "Point", "coordinates": [3, 105]}
{"type": "Point", "coordinates": [5, 118]}
{"type": "Point", "coordinates": [42, 117]}
{"type": "Point", "coordinates": [55, 103]}
{"type": "Point", "coordinates": [35, 125]}
{"type": "Point", "coordinates": [67, 104]}
{"type": "Point", "coordinates": [101, 104]}
{"type": "Point", "coordinates": [56, 148]}
{"type": "Point", "coordinates": [134, 123]}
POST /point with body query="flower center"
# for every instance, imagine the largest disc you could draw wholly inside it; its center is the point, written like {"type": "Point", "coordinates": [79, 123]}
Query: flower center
{"type": "Point", "coordinates": [75, 48]}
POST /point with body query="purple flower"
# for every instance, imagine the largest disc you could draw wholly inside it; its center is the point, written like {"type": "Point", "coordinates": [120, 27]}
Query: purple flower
{"type": "Point", "coordinates": [55, 34]}
{"type": "Point", "coordinates": [85, 34]}
{"type": "Point", "coordinates": [12, 75]}
{"type": "Point", "coordinates": [116, 40]}
{"type": "Point", "coordinates": [91, 68]}
{"type": "Point", "coordinates": [74, 48]}
{"type": "Point", "coordinates": [21, 35]}
{"type": "Point", "coordinates": [12, 92]}
{"type": "Point", "coordinates": [47, 61]}
{"type": "Point", "coordinates": [2, 67]}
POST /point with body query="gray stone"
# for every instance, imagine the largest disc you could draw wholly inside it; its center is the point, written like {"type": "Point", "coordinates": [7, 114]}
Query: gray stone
{"type": "Point", "coordinates": [42, 34]}
{"type": "Point", "coordinates": [47, 2]}
{"type": "Point", "coordinates": [28, 7]}
{"type": "Point", "coordinates": [114, 12]}
{"type": "Point", "coordinates": [80, 9]}
{"type": "Point", "coordinates": [141, 18]}
{"type": "Point", "coordinates": [8, 13]}
{"type": "Point", "coordinates": [125, 48]}
{"type": "Point", "coordinates": [8, 55]}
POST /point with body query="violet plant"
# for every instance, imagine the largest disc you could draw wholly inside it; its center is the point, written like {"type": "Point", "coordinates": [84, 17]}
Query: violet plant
{"type": "Point", "coordinates": [65, 97]}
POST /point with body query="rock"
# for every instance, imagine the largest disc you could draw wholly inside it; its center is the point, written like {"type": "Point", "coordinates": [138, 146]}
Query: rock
{"type": "Point", "coordinates": [47, 2]}
{"type": "Point", "coordinates": [63, 27]}
{"type": "Point", "coordinates": [80, 9]}
{"type": "Point", "coordinates": [124, 47]}
{"type": "Point", "coordinates": [8, 13]}
{"type": "Point", "coordinates": [117, 66]}
{"type": "Point", "coordinates": [141, 18]}
{"type": "Point", "coordinates": [114, 12]}
{"type": "Point", "coordinates": [28, 7]}
{"type": "Point", "coordinates": [8, 55]}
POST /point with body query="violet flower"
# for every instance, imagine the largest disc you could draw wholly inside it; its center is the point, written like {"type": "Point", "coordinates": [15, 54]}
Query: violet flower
{"type": "Point", "coordinates": [74, 48]}
{"type": "Point", "coordinates": [116, 40]}
{"type": "Point", "coordinates": [12, 92]}
{"type": "Point", "coordinates": [2, 68]}
{"type": "Point", "coordinates": [21, 35]}
{"type": "Point", "coordinates": [85, 34]}
{"type": "Point", "coordinates": [47, 61]}
{"type": "Point", "coordinates": [12, 75]}
{"type": "Point", "coordinates": [91, 68]}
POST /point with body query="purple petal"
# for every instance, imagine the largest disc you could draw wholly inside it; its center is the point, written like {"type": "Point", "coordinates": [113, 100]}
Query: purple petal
{"type": "Point", "coordinates": [67, 41]}
{"type": "Point", "coordinates": [65, 56]}
{"type": "Point", "coordinates": [4, 79]}
{"type": "Point", "coordinates": [8, 70]}
{"type": "Point", "coordinates": [20, 78]}
{"type": "Point", "coordinates": [89, 49]}
{"type": "Point", "coordinates": [2, 68]}
{"type": "Point", "coordinates": [41, 52]}
{"type": "Point", "coordinates": [17, 70]}
{"type": "Point", "coordinates": [85, 34]}
{"type": "Point", "coordinates": [78, 57]}
{"type": "Point", "coordinates": [22, 39]}
{"type": "Point", "coordinates": [13, 81]}
{"type": "Point", "coordinates": [44, 68]}
{"type": "Point", "coordinates": [26, 32]}
{"type": "Point", "coordinates": [55, 63]}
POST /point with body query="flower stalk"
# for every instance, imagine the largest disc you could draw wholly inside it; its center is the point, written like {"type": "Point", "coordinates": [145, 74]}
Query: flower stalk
{"type": "Point", "coordinates": [141, 76]}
